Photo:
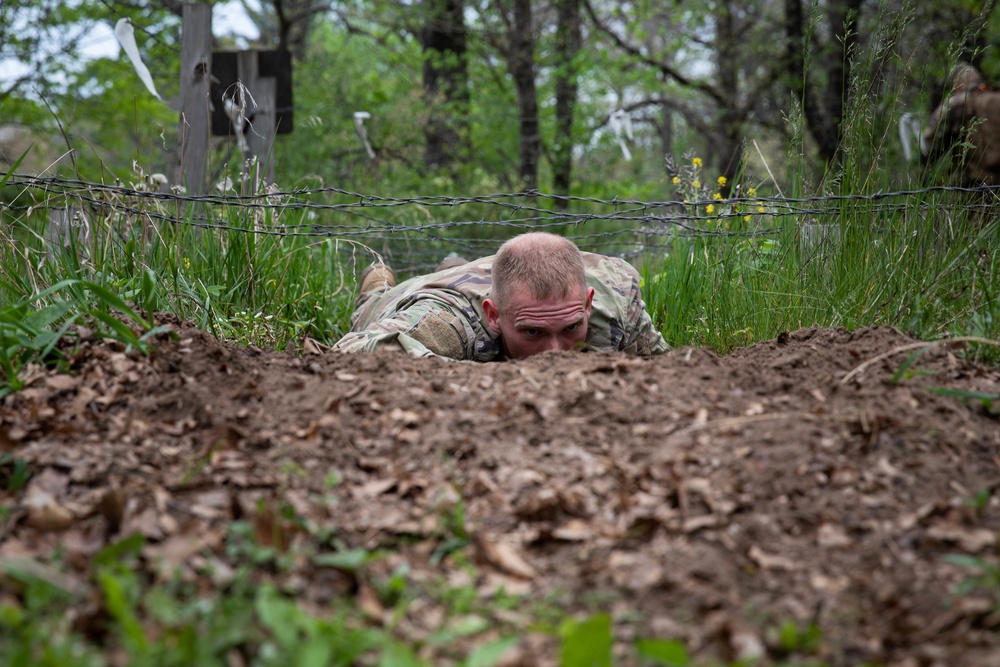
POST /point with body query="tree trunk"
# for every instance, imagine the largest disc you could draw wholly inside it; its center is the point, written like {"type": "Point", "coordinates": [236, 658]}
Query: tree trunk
{"type": "Point", "coordinates": [568, 42]}
{"type": "Point", "coordinates": [294, 23]}
{"type": "Point", "coordinates": [823, 109]}
{"type": "Point", "coordinates": [446, 83]}
{"type": "Point", "coordinates": [521, 61]}
{"type": "Point", "coordinates": [665, 130]}
{"type": "Point", "coordinates": [730, 154]}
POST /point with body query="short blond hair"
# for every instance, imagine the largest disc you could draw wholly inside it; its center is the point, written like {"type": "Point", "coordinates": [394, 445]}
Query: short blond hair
{"type": "Point", "coordinates": [547, 264]}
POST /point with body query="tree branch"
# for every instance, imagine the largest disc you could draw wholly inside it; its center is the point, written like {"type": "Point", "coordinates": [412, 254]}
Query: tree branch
{"type": "Point", "coordinates": [662, 66]}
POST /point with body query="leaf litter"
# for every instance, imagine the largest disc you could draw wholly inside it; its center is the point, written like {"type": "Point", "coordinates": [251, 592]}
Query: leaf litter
{"type": "Point", "coordinates": [794, 497]}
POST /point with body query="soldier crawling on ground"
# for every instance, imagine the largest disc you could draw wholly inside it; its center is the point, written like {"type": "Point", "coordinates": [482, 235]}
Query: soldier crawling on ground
{"type": "Point", "coordinates": [970, 115]}
{"type": "Point", "coordinates": [538, 293]}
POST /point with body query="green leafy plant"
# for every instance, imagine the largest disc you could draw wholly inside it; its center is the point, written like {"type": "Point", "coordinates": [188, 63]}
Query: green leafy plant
{"type": "Point", "coordinates": [794, 638]}
{"type": "Point", "coordinates": [587, 643]}
{"type": "Point", "coordinates": [14, 473]}
{"type": "Point", "coordinates": [663, 652]}
{"type": "Point", "coordinates": [31, 330]}
{"type": "Point", "coordinates": [989, 402]}
{"type": "Point", "coordinates": [985, 576]}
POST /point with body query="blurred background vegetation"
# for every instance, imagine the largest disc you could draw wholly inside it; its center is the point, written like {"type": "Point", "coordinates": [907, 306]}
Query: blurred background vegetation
{"type": "Point", "coordinates": [473, 96]}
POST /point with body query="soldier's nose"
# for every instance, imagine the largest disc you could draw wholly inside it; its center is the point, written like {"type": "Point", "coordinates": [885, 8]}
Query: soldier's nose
{"type": "Point", "coordinates": [562, 345]}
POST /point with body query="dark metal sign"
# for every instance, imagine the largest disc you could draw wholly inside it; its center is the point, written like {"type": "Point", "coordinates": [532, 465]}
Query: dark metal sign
{"type": "Point", "coordinates": [225, 74]}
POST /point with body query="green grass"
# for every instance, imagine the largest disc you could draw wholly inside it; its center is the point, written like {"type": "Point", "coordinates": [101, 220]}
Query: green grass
{"type": "Point", "coordinates": [926, 263]}
{"type": "Point", "coordinates": [930, 267]}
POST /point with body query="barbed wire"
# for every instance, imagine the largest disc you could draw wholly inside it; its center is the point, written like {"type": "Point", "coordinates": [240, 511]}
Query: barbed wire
{"type": "Point", "coordinates": [278, 198]}
{"type": "Point", "coordinates": [392, 225]}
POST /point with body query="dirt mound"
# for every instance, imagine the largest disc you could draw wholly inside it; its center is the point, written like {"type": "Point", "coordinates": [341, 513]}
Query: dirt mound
{"type": "Point", "coordinates": [800, 496]}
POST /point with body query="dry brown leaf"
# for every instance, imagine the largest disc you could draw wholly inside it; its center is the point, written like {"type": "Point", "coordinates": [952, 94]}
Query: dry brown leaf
{"type": "Point", "coordinates": [271, 530]}
{"type": "Point", "coordinates": [832, 535]}
{"type": "Point", "coordinates": [574, 530]}
{"type": "Point", "coordinates": [771, 562]}
{"type": "Point", "coordinates": [374, 488]}
{"type": "Point", "coordinates": [536, 504]}
{"type": "Point", "coordinates": [368, 602]}
{"type": "Point", "coordinates": [173, 552]}
{"type": "Point", "coordinates": [112, 507]}
{"type": "Point", "coordinates": [696, 523]}
{"type": "Point", "coordinates": [13, 572]}
{"type": "Point", "coordinates": [49, 516]}
{"type": "Point", "coordinates": [312, 346]}
{"type": "Point", "coordinates": [145, 522]}
{"type": "Point", "coordinates": [49, 481]}
{"type": "Point", "coordinates": [636, 571]}
{"type": "Point", "coordinates": [972, 540]}
{"type": "Point", "coordinates": [504, 556]}
{"type": "Point", "coordinates": [61, 382]}
{"type": "Point", "coordinates": [44, 510]}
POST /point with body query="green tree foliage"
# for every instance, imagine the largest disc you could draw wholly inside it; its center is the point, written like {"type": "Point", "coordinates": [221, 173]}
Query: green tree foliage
{"type": "Point", "coordinates": [714, 78]}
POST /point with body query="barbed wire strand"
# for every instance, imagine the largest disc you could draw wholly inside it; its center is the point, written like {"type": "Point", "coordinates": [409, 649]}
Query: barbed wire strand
{"type": "Point", "coordinates": [626, 226]}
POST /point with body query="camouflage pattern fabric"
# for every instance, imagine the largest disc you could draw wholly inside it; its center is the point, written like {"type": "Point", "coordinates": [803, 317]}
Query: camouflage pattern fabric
{"type": "Point", "coordinates": [972, 115]}
{"type": "Point", "coordinates": [441, 314]}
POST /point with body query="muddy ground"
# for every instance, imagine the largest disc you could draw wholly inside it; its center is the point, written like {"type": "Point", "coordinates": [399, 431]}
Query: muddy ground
{"type": "Point", "coordinates": [707, 499]}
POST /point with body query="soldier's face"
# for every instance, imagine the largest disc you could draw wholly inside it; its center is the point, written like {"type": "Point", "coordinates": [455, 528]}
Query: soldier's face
{"type": "Point", "coordinates": [528, 325]}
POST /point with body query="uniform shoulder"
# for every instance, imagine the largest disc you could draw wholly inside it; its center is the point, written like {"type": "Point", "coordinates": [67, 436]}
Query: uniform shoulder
{"type": "Point", "coordinates": [606, 269]}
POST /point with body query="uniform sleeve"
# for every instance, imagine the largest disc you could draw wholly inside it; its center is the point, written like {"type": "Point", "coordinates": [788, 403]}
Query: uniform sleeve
{"type": "Point", "coordinates": [943, 125]}
{"type": "Point", "coordinates": [642, 338]}
{"type": "Point", "coordinates": [425, 328]}
{"type": "Point", "coordinates": [639, 336]}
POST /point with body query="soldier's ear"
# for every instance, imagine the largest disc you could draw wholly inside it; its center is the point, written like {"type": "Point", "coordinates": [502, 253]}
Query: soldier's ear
{"type": "Point", "coordinates": [590, 300]}
{"type": "Point", "coordinates": [492, 315]}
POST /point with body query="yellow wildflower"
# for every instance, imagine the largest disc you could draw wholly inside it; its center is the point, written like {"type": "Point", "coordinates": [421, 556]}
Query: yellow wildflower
{"type": "Point", "coordinates": [717, 196]}
{"type": "Point", "coordinates": [695, 184]}
{"type": "Point", "coordinates": [696, 162]}
{"type": "Point", "coordinates": [722, 181]}
{"type": "Point", "coordinates": [710, 208]}
{"type": "Point", "coordinates": [676, 180]}
{"type": "Point", "coordinates": [187, 263]}
{"type": "Point", "coordinates": [760, 209]}
{"type": "Point", "coordinates": [746, 218]}
{"type": "Point", "coordinates": [751, 192]}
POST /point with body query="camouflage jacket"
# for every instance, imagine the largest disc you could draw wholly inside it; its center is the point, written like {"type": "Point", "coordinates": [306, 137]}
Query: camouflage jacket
{"type": "Point", "coordinates": [441, 314]}
{"type": "Point", "coordinates": [970, 118]}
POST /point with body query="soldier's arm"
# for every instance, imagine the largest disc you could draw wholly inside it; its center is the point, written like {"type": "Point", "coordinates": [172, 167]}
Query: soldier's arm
{"type": "Point", "coordinates": [427, 328]}
{"type": "Point", "coordinates": [641, 337]}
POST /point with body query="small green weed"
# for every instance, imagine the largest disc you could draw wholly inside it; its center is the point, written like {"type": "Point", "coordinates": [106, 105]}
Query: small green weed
{"type": "Point", "coordinates": [980, 501]}
{"type": "Point", "coordinates": [587, 643]}
{"type": "Point", "coordinates": [31, 329]}
{"type": "Point", "coordinates": [14, 473]}
{"type": "Point", "coordinates": [989, 402]}
{"type": "Point", "coordinates": [985, 576]}
{"type": "Point", "coordinates": [663, 652]}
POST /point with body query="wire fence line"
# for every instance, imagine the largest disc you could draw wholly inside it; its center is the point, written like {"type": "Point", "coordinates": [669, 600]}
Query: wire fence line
{"type": "Point", "coordinates": [407, 230]}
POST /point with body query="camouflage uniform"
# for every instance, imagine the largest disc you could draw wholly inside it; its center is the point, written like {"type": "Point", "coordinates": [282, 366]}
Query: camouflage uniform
{"type": "Point", "coordinates": [971, 114]}
{"type": "Point", "coordinates": [441, 314]}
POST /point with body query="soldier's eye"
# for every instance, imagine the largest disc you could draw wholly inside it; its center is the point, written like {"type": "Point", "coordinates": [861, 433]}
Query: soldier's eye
{"type": "Point", "coordinates": [572, 327]}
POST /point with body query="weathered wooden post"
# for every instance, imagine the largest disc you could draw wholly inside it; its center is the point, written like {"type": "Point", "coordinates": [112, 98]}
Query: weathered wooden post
{"type": "Point", "coordinates": [253, 103]}
{"type": "Point", "coordinates": [196, 74]}
{"type": "Point", "coordinates": [212, 102]}
{"type": "Point", "coordinates": [260, 133]}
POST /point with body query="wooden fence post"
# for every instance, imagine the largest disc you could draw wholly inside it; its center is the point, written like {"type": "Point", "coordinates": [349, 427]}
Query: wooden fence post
{"type": "Point", "coordinates": [260, 134]}
{"type": "Point", "coordinates": [196, 72]}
